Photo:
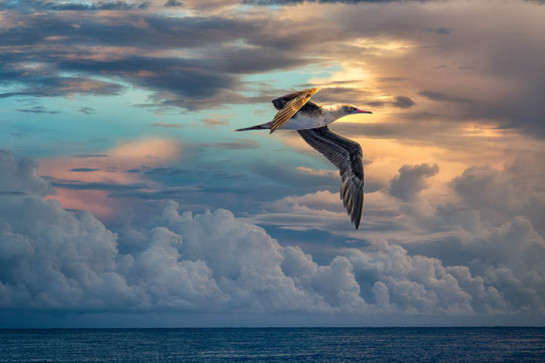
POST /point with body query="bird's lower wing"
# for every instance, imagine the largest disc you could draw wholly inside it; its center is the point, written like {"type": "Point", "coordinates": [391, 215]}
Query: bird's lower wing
{"type": "Point", "coordinates": [291, 107]}
{"type": "Point", "coordinates": [346, 155]}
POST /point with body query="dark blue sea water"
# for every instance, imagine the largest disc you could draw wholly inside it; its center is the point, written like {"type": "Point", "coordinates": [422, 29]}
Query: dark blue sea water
{"type": "Point", "coordinates": [278, 344]}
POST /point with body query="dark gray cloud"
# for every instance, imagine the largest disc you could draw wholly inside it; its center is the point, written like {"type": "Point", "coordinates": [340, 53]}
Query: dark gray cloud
{"type": "Point", "coordinates": [499, 195]}
{"type": "Point", "coordinates": [30, 6]}
{"type": "Point", "coordinates": [424, 128]}
{"type": "Point", "coordinates": [95, 6]}
{"type": "Point", "coordinates": [83, 156]}
{"type": "Point", "coordinates": [209, 81]}
{"type": "Point", "coordinates": [158, 32]}
{"type": "Point", "coordinates": [38, 109]}
{"type": "Point", "coordinates": [231, 145]}
{"type": "Point", "coordinates": [232, 46]}
{"type": "Point", "coordinates": [165, 74]}
{"type": "Point", "coordinates": [184, 82]}
{"type": "Point", "coordinates": [163, 124]}
{"type": "Point", "coordinates": [87, 110]}
{"type": "Point", "coordinates": [403, 102]}
{"type": "Point", "coordinates": [391, 79]}
{"type": "Point", "coordinates": [162, 171]}
{"type": "Point", "coordinates": [10, 192]}
{"type": "Point", "coordinates": [293, 2]}
{"type": "Point", "coordinates": [411, 181]}
{"type": "Point", "coordinates": [44, 82]}
{"type": "Point", "coordinates": [283, 175]}
{"type": "Point", "coordinates": [341, 94]}
{"type": "Point", "coordinates": [84, 170]}
{"type": "Point", "coordinates": [82, 185]}
{"type": "Point", "coordinates": [173, 4]}
{"type": "Point", "coordinates": [439, 30]}
{"type": "Point", "coordinates": [439, 96]}
{"type": "Point", "coordinates": [166, 193]}
{"type": "Point", "coordinates": [19, 175]}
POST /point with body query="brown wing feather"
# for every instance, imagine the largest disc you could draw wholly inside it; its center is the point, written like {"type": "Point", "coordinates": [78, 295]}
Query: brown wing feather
{"type": "Point", "coordinates": [291, 107]}
{"type": "Point", "coordinates": [279, 102]}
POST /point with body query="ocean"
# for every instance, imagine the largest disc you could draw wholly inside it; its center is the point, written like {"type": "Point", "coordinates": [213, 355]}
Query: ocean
{"type": "Point", "coordinates": [275, 345]}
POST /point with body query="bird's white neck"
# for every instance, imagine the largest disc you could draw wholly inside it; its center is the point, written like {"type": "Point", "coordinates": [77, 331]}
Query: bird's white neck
{"type": "Point", "coordinates": [333, 112]}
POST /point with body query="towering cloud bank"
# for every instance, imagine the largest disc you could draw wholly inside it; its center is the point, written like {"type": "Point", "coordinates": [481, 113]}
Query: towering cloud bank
{"type": "Point", "coordinates": [52, 258]}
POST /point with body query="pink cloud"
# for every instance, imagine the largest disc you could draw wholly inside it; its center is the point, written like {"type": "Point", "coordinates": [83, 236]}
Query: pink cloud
{"type": "Point", "coordinates": [114, 167]}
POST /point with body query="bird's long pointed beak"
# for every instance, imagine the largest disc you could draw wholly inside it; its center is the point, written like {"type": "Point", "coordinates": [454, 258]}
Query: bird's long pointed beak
{"type": "Point", "coordinates": [363, 111]}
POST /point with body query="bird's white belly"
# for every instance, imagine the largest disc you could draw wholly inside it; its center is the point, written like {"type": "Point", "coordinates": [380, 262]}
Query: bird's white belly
{"type": "Point", "coordinates": [302, 122]}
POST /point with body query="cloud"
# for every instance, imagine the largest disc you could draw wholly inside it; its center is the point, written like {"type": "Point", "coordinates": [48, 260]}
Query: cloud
{"type": "Point", "coordinates": [294, 2]}
{"type": "Point", "coordinates": [328, 173]}
{"type": "Point", "coordinates": [105, 174]}
{"type": "Point", "coordinates": [323, 211]}
{"type": "Point", "coordinates": [85, 156]}
{"type": "Point", "coordinates": [84, 170]}
{"type": "Point", "coordinates": [470, 246]}
{"type": "Point", "coordinates": [483, 246]}
{"type": "Point", "coordinates": [79, 185]}
{"type": "Point", "coordinates": [411, 181]}
{"type": "Point", "coordinates": [47, 86]}
{"type": "Point", "coordinates": [421, 284]}
{"type": "Point", "coordinates": [162, 124]}
{"type": "Point", "coordinates": [440, 30]}
{"type": "Point", "coordinates": [472, 79]}
{"type": "Point", "coordinates": [399, 102]}
{"type": "Point", "coordinates": [219, 45]}
{"type": "Point", "coordinates": [54, 258]}
{"type": "Point", "coordinates": [500, 195]}
{"type": "Point", "coordinates": [87, 110]}
{"type": "Point", "coordinates": [213, 123]}
{"type": "Point", "coordinates": [95, 6]}
{"type": "Point", "coordinates": [173, 4]}
{"type": "Point", "coordinates": [403, 102]}
{"type": "Point", "coordinates": [20, 175]}
{"type": "Point", "coordinates": [231, 145]}
{"type": "Point", "coordinates": [214, 262]}
{"type": "Point", "coordinates": [175, 81]}
{"type": "Point", "coordinates": [38, 109]}
{"type": "Point", "coordinates": [281, 175]}
{"type": "Point", "coordinates": [439, 96]}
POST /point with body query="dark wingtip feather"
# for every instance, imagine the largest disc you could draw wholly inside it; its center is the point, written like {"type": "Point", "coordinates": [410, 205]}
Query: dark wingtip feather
{"type": "Point", "coordinates": [345, 154]}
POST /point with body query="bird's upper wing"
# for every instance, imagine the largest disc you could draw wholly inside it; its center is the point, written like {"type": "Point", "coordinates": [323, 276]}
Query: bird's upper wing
{"type": "Point", "coordinates": [279, 102]}
{"type": "Point", "coordinates": [291, 106]}
{"type": "Point", "coordinates": [346, 155]}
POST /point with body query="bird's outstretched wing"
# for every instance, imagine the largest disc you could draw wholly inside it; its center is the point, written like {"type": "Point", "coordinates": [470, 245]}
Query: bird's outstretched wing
{"type": "Point", "coordinates": [346, 155]}
{"type": "Point", "coordinates": [279, 102]}
{"type": "Point", "coordinates": [291, 106]}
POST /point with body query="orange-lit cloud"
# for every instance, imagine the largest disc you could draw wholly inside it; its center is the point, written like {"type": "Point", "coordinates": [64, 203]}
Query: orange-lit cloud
{"type": "Point", "coordinates": [117, 166]}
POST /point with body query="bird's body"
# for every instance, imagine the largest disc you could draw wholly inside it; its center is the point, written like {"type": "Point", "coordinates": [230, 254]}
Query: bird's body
{"type": "Point", "coordinates": [296, 112]}
{"type": "Point", "coordinates": [311, 118]}
{"type": "Point", "coordinates": [305, 121]}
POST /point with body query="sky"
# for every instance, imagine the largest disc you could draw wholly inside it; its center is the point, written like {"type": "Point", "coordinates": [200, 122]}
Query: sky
{"type": "Point", "coordinates": [127, 200]}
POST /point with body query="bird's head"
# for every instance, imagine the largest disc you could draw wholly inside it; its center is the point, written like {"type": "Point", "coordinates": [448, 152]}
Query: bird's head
{"type": "Point", "coordinates": [340, 110]}
{"type": "Point", "coordinates": [351, 110]}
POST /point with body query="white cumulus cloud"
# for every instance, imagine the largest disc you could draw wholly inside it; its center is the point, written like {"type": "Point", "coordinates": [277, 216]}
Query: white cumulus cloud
{"type": "Point", "coordinates": [52, 258]}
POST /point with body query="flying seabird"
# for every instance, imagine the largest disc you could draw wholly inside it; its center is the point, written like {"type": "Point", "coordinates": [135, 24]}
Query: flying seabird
{"type": "Point", "coordinates": [297, 112]}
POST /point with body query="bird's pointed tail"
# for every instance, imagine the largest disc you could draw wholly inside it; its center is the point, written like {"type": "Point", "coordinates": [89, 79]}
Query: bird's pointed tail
{"type": "Point", "coordinates": [265, 126]}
